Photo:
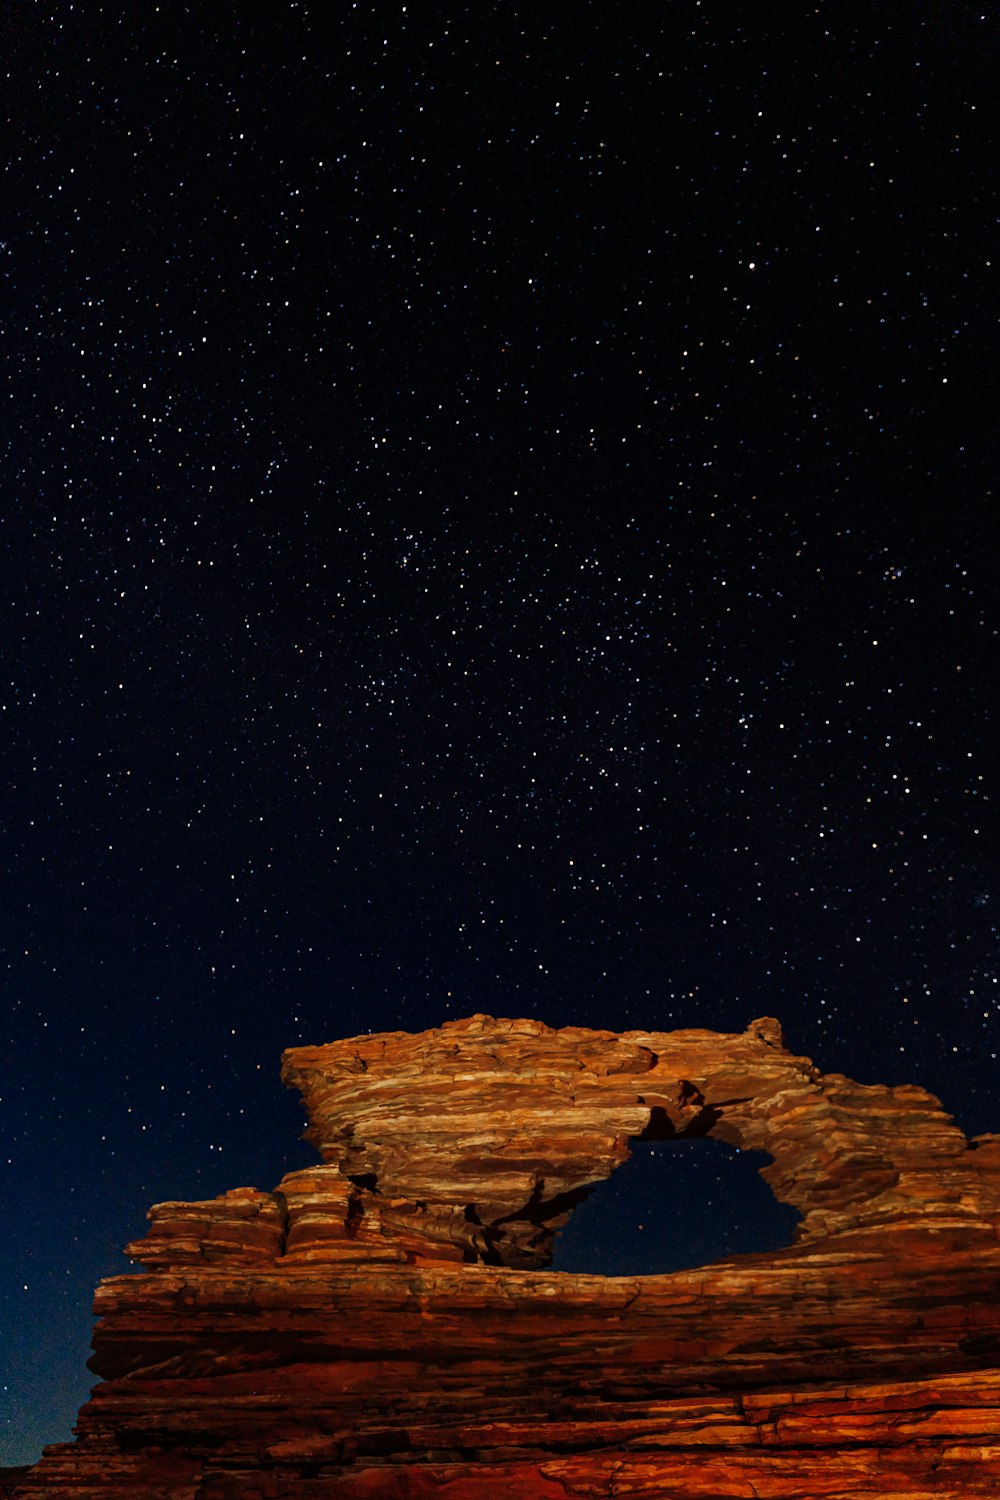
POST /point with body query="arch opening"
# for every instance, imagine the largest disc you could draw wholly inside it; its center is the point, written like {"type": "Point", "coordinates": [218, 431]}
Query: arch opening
{"type": "Point", "coordinates": [676, 1204]}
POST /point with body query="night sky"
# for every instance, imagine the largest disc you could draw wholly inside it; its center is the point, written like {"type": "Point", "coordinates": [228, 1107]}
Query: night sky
{"type": "Point", "coordinates": [496, 516]}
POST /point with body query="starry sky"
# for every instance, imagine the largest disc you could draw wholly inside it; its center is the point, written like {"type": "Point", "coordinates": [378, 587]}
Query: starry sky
{"type": "Point", "coordinates": [496, 515]}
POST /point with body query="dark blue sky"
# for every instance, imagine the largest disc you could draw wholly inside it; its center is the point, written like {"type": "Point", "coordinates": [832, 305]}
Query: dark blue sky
{"type": "Point", "coordinates": [497, 515]}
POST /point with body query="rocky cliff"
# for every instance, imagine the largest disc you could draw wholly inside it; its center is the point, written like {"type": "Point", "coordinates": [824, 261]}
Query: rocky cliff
{"type": "Point", "coordinates": [383, 1326]}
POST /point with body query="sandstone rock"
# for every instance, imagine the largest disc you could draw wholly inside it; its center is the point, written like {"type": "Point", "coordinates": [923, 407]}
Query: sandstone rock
{"type": "Point", "coordinates": [384, 1325]}
{"type": "Point", "coordinates": [240, 1228]}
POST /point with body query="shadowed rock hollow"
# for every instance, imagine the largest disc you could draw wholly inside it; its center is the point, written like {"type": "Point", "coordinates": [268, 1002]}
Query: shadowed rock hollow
{"type": "Point", "coordinates": [383, 1325]}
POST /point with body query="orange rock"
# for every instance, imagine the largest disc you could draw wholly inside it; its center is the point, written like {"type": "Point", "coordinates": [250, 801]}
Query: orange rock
{"type": "Point", "coordinates": [382, 1326]}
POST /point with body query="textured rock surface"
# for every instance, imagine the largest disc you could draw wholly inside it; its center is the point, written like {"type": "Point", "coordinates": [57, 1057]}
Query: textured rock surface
{"type": "Point", "coordinates": [382, 1325]}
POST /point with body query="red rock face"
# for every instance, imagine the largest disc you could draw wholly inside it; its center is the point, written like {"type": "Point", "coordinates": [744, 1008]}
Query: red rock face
{"type": "Point", "coordinates": [383, 1325]}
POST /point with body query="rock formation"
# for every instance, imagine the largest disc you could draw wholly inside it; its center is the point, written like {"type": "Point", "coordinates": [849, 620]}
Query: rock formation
{"type": "Point", "coordinates": [382, 1326]}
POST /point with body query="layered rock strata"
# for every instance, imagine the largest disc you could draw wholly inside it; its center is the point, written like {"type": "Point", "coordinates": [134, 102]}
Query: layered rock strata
{"type": "Point", "coordinates": [382, 1325]}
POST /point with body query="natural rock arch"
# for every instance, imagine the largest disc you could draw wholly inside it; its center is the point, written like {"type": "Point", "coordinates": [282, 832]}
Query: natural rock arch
{"type": "Point", "coordinates": [329, 1338]}
{"type": "Point", "coordinates": [477, 1140]}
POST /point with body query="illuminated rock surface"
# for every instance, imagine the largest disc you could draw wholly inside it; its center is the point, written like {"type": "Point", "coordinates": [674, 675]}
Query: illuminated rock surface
{"type": "Point", "coordinates": [383, 1325]}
